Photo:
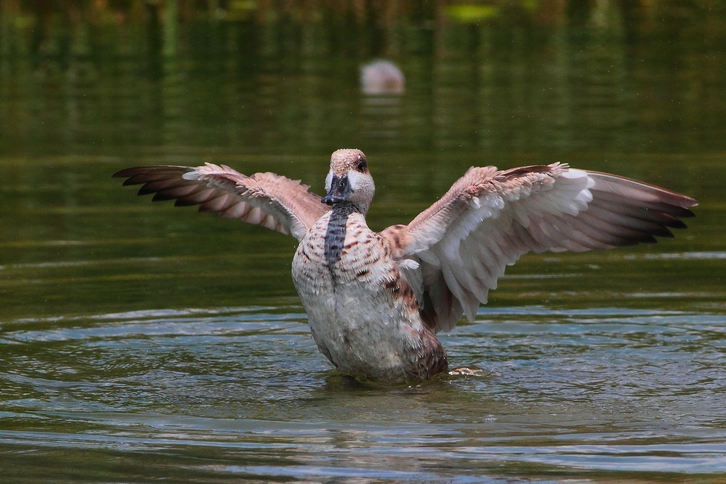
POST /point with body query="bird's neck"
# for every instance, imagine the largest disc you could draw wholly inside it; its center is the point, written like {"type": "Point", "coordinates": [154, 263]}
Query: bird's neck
{"type": "Point", "coordinates": [336, 231]}
{"type": "Point", "coordinates": [343, 209]}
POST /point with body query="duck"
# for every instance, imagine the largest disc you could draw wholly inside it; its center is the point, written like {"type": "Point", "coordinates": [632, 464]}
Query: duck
{"type": "Point", "coordinates": [382, 77]}
{"type": "Point", "coordinates": [375, 301]}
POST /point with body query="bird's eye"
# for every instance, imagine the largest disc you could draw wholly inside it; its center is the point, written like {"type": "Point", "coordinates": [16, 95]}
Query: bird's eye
{"type": "Point", "coordinates": [361, 165]}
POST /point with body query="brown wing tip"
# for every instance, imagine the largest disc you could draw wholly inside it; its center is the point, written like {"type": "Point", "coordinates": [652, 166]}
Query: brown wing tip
{"type": "Point", "coordinates": [682, 202]}
{"type": "Point", "coordinates": [125, 173]}
{"type": "Point", "coordinates": [148, 171]}
{"type": "Point", "coordinates": [671, 215]}
{"type": "Point", "coordinates": [689, 202]}
{"type": "Point", "coordinates": [158, 196]}
{"type": "Point", "coordinates": [134, 172]}
{"type": "Point", "coordinates": [685, 214]}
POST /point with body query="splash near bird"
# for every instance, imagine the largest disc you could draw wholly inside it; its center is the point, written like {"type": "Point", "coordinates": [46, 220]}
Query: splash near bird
{"type": "Point", "coordinates": [375, 300]}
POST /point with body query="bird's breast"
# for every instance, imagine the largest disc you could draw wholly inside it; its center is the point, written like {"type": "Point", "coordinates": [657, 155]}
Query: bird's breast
{"type": "Point", "coordinates": [338, 251]}
{"type": "Point", "coordinates": [363, 315]}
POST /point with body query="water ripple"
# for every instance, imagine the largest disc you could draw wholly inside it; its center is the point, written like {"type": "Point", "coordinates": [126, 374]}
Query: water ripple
{"type": "Point", "coordinates": [600, 389]}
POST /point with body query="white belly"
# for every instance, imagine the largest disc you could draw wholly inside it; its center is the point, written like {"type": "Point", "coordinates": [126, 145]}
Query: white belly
{"type": "Point", "coordinates": [363, 327]}
{"type": "Point", "coordinates": [359, 332]}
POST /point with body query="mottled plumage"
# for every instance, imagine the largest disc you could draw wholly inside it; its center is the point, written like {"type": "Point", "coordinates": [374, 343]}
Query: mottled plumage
{"type": "Point", "coordinates": [376, 300]}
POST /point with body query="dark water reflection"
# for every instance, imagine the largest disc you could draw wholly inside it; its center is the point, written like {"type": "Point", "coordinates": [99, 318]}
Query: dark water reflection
{"type": "Point", "coordinates": [144, 342]}
{"type": "Point", "coordinates": [489, 89]}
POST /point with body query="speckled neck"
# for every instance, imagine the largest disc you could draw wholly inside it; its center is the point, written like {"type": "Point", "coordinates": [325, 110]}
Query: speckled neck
{"type": "Point", "coordinates": [335, 233]}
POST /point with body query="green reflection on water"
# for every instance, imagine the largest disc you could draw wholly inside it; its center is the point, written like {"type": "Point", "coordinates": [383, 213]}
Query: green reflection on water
{"type": "Point", "coordinates": [78, 243]}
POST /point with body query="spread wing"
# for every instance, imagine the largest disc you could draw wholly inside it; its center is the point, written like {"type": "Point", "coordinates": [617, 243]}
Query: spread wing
{"type": "Point", "coordinates": [266, 199]}
{"type": "Point", "coordinates": [489, 218]}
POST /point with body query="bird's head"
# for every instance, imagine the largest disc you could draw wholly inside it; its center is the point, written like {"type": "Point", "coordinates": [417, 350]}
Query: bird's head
{"type": "Point", "coordinates": [349, 180]}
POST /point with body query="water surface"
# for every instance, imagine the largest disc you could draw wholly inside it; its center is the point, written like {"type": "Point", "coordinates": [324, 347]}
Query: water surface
{"type": "Point", "coordinates": [144, 342]}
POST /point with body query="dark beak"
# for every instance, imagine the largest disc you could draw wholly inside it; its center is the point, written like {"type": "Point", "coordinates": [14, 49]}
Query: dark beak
{"type": "Point", "coordinates": [339, 190]}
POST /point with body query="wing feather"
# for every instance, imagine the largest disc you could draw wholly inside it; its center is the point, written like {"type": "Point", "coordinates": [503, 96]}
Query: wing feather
{"type": "Point", "coordinates": [489, 218]}
{"type": "Point", "coordinates": [265, 199]}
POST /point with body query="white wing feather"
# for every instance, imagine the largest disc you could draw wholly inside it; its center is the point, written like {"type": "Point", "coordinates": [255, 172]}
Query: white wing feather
{"type": "Point", "coordinates": [488, 219]}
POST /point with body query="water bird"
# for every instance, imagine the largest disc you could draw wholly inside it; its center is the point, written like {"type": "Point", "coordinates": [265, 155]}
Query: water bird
{"type": "Point", "coordinates": [382, 77]}
{"type": "Point", "coordinates": [376, 300]}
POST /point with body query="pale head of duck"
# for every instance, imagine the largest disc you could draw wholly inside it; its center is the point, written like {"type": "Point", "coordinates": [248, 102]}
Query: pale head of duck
{"type": "Point", "coordinates": [349, 180]}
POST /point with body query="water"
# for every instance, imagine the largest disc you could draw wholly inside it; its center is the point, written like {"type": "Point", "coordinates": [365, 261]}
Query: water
{"type": "Point", "coordinates": [243, 392]}
{"type": "Point", "coordinates": [143, 342]}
